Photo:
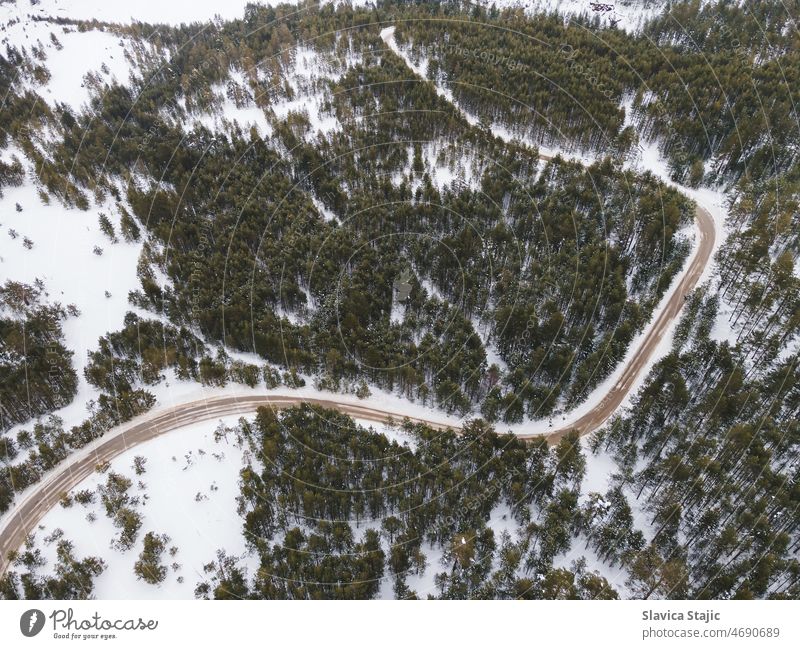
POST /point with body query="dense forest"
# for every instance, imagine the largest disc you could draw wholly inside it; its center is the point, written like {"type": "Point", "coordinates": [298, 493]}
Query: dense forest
{"type": "Point", "coordinates": [326, 529]}
{"type": "Point", "coordinates": [36, 373]}
{"type": "Point", "coordinates": [367, 233]}
{"type": "Point", "coordinates": [304, 274]}
{"type": "Point", "coordinates": [711, 82]}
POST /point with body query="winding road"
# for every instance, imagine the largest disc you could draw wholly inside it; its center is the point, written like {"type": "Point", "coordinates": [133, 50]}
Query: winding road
{"type": "Point", "coordinates": [29, 510]}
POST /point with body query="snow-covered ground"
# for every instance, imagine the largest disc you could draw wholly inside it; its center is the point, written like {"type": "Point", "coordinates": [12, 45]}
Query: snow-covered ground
{"type": "Point", "coordinates": [73, 274]}
{"type": "Point", "coordinates": [447, 167]}
{"type": "Point", "coordinates": [227, 112]}
{"type": "Point", "coordinates": [307, 76]}
{"type": "Point", "coordinates": [304, 77]}
{"type": "Point", "coordinates": [174, 12]}
{"type": "Point", "coordinates": [63, 257]}
{"type": "Point", "coordinates": [188, 491]}
{"type": "Point", "coordinates": [69, 57]}
{"type": "Point", "coordinates": [66, 241]}
{"type": "Point", "coordinates": [90, 276]}
{"type": "Point", "coordinates": [629, 15]}
{"type": "Point", "coordinates": [173, 392]}
{"type": "Point", "coordinates": [625, 14]}
{"type": "Point", "coordinates": [392, 433]}
{"type": "Point", "coordinates": [723, 330]}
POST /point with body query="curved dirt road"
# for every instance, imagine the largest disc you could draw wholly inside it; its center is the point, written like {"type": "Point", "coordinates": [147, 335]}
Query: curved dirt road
{"type": "Point", "coordinates": [655, 331]}
{"type": "Point", "coordinates": [600, 413]}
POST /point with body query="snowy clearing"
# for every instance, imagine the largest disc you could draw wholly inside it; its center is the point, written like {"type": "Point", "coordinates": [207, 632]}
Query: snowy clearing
{"type": "Point", "coordinates": [189, 491]}
{"type": "Point", "coordinates": [175, 12]}
{"type": "Point", "coordinates": [69, 55]}
{"type": "Point", "coordinates": [64, 257]}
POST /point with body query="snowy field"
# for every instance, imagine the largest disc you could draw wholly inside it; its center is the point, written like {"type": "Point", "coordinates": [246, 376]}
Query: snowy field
{"type": "Point", "coordinates": [629, 15]}
{"type": "Point", "coordinates": [66, 241]}
{"type": "Point", "coordinates": [174, 12]}
{"type": "Point", "coordinates": [63, 257]}
{"type": "Point", "coordinates": [188, 491]}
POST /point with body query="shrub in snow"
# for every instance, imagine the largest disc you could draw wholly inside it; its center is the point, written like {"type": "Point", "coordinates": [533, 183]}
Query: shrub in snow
{"type": "Point", "coordinates": [272, 377]}
{"type": "Point", "coordinates": [138, 464]}
{"type": "Point", "coordinates": [149, 566]}
{"type": "Point", "coordinates": [107, 227]}
{"type": "Point", "coordinates": [130, 231]}
{"type": "Point", "coordinates": [129, 522]}
{"type": "Point", "coordinates": [363, 391]}
{"type": "Point", "coordinates": [84, 497]}
{"type": "Point", "coordinates": [293, 380]}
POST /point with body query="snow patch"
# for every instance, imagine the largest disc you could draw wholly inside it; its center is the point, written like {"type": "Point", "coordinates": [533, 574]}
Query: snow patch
{"type": "Point", "coordinates": [228, 111]}
{"type": "Point", "coordinates": [191, 486]}
{"type": "Point", "coordinates": [75, 55]}
{"type": "Point", "coordinates": [628, 15]}
{"type": "Point", "coordinates": [63, 256]}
